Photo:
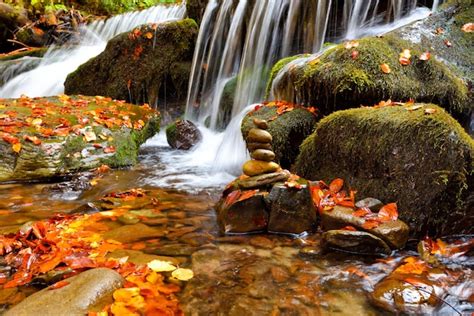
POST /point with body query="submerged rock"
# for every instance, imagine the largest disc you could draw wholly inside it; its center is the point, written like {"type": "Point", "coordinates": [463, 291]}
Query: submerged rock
{"type": "Point", "coordinates": [183, 134]}
{"type": "Point", "coordinates": [132, 233]}
{"type": "Point", "coordinates": [249, 215]}
{"type": "Point", "coordinates": [291, 210]}
{"type": "Point", "coordinates": [89, 291]}
{"type": "Point", "coordinates": [149, 64]}
{"type": "Point", "coordinates": [43, 138]}
{"type": "Point", "coordinates": [356, 242]}
{"type": "Point", "coordinates": [416, 155]}
{"type": "Point", "coordinates": [288, 131]}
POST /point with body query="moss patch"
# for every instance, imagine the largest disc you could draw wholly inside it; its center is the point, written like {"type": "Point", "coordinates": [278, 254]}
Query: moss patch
{"type": "Point", "coordinates": [150, 64]}
{"type": "Point", "coordinates": [424, 162]}
{"type": "Point", "coordinates": [276, 69]}
{"type": "Point", "coordinates": [335, 80]}
{"type": "Point", "coordinates": [288, 130]}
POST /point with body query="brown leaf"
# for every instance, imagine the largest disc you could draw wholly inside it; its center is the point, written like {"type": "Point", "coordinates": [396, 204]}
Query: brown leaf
{"type": "Point", "coordinates": [385, 68]}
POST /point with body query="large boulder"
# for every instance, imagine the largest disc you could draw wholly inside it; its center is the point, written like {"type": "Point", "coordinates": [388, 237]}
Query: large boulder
{"type": "Point", "coordinates": [416, 155]}
{"type": "Point", "coordinates": [148, 64]}
{"type": "Point", "coordinates": [288, 128]}
{"type": "Point", "coordinates": [350, 74]}
{"type": "Point", "coordinates": [50, 137]}
{"type": "Point", "coordinates": [89, 291]}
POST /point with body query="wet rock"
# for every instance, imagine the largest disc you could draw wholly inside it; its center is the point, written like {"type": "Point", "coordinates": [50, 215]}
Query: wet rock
{"type": "Point", "coordinates": [254, 146]}
{"type": "Point", "coordinates": [357, 242]}
{"type": "Point", "coordinates": [245, 216]}
{"type": "Point", "coordinates": [291, 210]}
{"type": "Point", "coordinates": [183, 134]}
{"type": "Point", "coordinates": [135, 69]}
{"type": "Point", "coordinates": [262, 124]}
{"type": "Point", "coordinates": [279, 274]}
{"type": "Point", "coordinates": [398, 296]}
{"type": "Point", "coordinates": [263, 180]}
{"type": "Point", "coordinates": [89, 291]}
{"type": "Point", "coordinates": [376, 150]}
{"type": "Point", "coordinates": [394, 233]}
{"type": "Point", "coordinates": [373, 204]}
{"type": "Point", "coordinates": [132, 233]}
{"type": "Point", "coordinates": [129, 219]}
{"type": "Point", "coordinates": [88, 208]}
{"type": "Point", "coordinates": [256, 135]}
{"type": "Point", "coordinates": [172, 250]}
{"type": "Point", "coordinates": [263, 155]}
{"type": "Point", "coordinates": [262, 242]}
{"type": "Point", "coordinates": [255, 167]}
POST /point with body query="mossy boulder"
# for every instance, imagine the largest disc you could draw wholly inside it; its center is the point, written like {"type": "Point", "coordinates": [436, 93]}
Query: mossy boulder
{"type": "Point", "coordinates": [415, 155]}
{"type": "Point", "coordinates": [288, 129]}
{"type": "Point", "coordinates": [150, 64]}
{"type": "Point", "coordinates": [44, 138]}
{"type": "Point", "coordinates": [339, 78]}
{"type": "Point", "coordinates": [183, 134]}
{"type": "Point", "coordinates": [195, 9]}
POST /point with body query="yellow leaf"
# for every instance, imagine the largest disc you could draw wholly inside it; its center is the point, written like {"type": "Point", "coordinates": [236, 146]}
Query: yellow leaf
{"type": "Point", "coordinates": [125, 294]}
{"type": "Point", "coordinates": [37, 121]}
{"type": "Point", "coordinates": [182, 274]}
{"type": "Point", "coordinates": [161, 266]}
{"type": "Point", "coordinates": [16, 147]}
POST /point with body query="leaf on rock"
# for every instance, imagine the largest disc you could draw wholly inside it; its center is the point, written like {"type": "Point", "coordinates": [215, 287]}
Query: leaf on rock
{"type": "Point", "coordinates": [58, 285]}
{"type": "Point", "coordinates": [388, 213]}
{"type": "Point", "coordinates": [161, 266]}
{"type": "Point", "coordinates": [371, 224]}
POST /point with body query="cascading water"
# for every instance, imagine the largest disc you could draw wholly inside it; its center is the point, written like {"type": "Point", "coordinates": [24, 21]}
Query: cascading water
{"type": "Point", "coordinates": [49, 76]}
{"type": "Point", "coordinates": [240, 41]}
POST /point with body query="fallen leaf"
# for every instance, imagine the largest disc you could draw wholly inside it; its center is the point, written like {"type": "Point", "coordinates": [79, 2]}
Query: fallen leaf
{"type": "Point", "coordinates": [414, 107]}
{"type": "Point", "coordinates": [351, 44]}
{"type": "Point", "coordinates": [16, 147]}
{"type": "Point", "coordinates": [405, 56]}
{"type": "Point", "coordinates": [349, 228]}
{"type": "Point", "coordinates": [109, 150]}
{"type": "Point", "coordinates": [468, 27]}
{"type": "Point", "coordinates": [149, 35]}
{"type": "Point", "coordinates": [447, 43]}
{"type": "Point", "coordinates": [430, 111]}
{"type": "Point", "coordinates": [182, 274]}
{"type": "Point", "coordinates": [388, 212]}
{"type": "Point", "coordinates": [90, 136]}
{"type": "Point", "coordinates": [370, 224]}
{"type": "Point", "coordinates": [161, 266]}
{"type": "Point", "coordinates": [385, 68]}
{"type": "Point", "coordinates": [354, 55]}
{"type": "Point", "coordinates": [425, 56]}
{"type": "Point", "coordinates": [336, 185]}
{"type": "Point", "coordinates": [37, 121]}
{"type": "Point", "coordinates": [58, 285]}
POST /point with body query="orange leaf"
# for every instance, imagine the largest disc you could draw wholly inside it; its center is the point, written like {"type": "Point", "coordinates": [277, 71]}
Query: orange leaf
{"type": "Point", "coordinates": [425, 56]}
{"type": "Point", "coordinates": [370, 224]}
{"type": "Point", "coordinates": [247, 195]}
{"type": "Point", "coordinates": [349, 228]}
{"type": "Point", "coordinates": [232, 198]}
{"type": "Point", "coordinates": [362, 212]}
{"type": "Point", "coordinates": [354, 55]}
{"type": "Point", "coordinates": [109, 150]}
{"type": "Point", "coordinates": [58, 285]}
{"type": "Point", "coordinates": [468, 27]}
{"type": "Point", "coordinates": [385, 68]}
{"type": "Point", "coordinates": [16, 147]}
{"type": "Point", "coordinates": [336, 185]}
{"type": "Point", "coordinates": [430, 111]}
{"type": "Point", "coordinates": [388, 213]}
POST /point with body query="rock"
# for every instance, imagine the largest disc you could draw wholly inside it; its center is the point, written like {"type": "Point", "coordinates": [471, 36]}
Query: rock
{"type": "Point", "coordinates": [89, 291]}
{"type": "Point", "coordinates": [291, 210]}
{"type": "Point", "coordinates": [399, 153]}
{"type": "Point", "coordinates": [255, 168]}
{"type": "Point", "coordinates": [254, 146]}
{"type": "Point", "coordinates": [134, 68]}
{"type": "Point", "coordinates": [373, 204]}
{"type": "Point", "coordinates": [172, 250]}
{"type": "Point", "coordinates": [259, 123]}
{"type": "Point", "coordinates": [398, 296]}
{"type": "Point", "coordinates": [263, 180]}
{"type": "Point", "coordinates": [394, 233]}
{"type": "Point", "coordinates": [263, 155]}
{"type": "Point", "coordinates": [11, 19]}
{"type": "Point", "coordinates": [55, 145]}
{"type": "Point", "coordinates": [183, 134]}
{"type": "Point", "coordinates": [195, 9]}
{"type": "Point", "coordinates": [342, 82]}
{"type": "Point", "coordinates": [288, 131]}
{"type": "Point", "coordinates": [132, 233]}
{"type": "Point", "coordinates": [258, 136]}
{"type": "Point", "coordinates": [357, 242]}
{"type": "Point", "coordinates": [245, 216]}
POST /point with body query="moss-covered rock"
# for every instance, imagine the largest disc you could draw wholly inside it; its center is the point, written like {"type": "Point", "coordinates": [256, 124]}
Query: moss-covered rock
{"type": "Point", "coordinates": [42, 138]}
{"type": "Point", "coordinates": [149, 64]}
{"type": "Point", "coordinates": [183, 134]}
{"type": "Point", "coordinates": [402, 154]}
{"type": "Point", "coordinates": [195, 9]}
{"type": "Point", "coordinates": [288, 129]}
{"type": "Point", "coordinates": [338, 79]}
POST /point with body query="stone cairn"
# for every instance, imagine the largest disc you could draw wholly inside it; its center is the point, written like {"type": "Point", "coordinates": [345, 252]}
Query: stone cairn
{"type": "Point", "coordinates": [261, 169]}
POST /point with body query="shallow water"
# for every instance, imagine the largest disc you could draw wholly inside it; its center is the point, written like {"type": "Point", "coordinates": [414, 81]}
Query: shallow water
{"type": "Point", "coordinates": [234, 275]}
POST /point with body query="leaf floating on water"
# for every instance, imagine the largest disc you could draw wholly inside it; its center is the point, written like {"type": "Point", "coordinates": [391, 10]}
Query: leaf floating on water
{"type": "Point", "coordinates": [182, 274]}
{"type": "Point", "coordinates": [425, 56]}
{"type": "Point", "coordinates": [161, 266]}
{"type": "Point", "coordinates": [385, 68]}
{"type": "Point", "coordinates": [468, 27]}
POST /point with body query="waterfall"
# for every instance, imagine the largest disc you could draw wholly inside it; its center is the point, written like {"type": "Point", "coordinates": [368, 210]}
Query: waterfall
{"type": "Point", "coordinates": [239, 41]}
{"type": "Point", "coordinates": [51, 72]}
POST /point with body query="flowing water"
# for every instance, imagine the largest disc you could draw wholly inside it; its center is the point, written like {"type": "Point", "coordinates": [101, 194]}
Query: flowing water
{"type": "Point", "coordinates": [48, 77]}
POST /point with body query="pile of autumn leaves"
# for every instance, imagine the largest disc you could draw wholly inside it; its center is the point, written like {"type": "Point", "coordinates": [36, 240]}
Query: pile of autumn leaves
{"type": "Point", "coordinates": [72, 244]}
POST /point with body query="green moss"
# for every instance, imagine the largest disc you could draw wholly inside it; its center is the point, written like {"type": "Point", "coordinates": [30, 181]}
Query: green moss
{"type": "Point", "coordinates": [276, 69]}
{"type": "Point", "coordinates": [288, 130]}
{"type": "Point", "coordinates": [171, 132]}
{"type": "Point", "coordinates": [336, 81]}
{"type": "Point", "coordinates": [424, 162]}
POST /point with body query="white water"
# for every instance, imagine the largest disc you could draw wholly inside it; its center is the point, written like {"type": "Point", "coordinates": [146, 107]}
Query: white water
{"type": "Point", "coordinates": [241, 41]}
{"type": "Point", "coordinates": [48, 78]}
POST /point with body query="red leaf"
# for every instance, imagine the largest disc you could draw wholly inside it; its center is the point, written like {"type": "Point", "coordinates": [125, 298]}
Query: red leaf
{"type": "Point", "coordinates": [388, 213]}
{"type": "Point", "coordinates": [247, 195]}
{"type": "Point", "coordinates": [370, 224]}
{"type": "Point", "coordinates": [350, 228]}
{"type": "Point", "coordinates": [362, 212]}
{"type": "Point", "coordinates": [336, 185]}
{"type": "Point", "coordinates": [232, 198]}
{"type": "Point", "coordinates": [109, 150]}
